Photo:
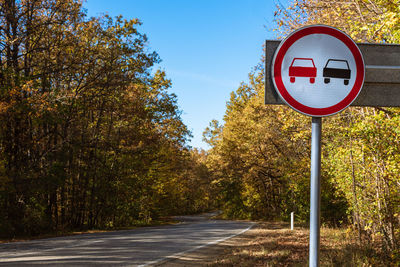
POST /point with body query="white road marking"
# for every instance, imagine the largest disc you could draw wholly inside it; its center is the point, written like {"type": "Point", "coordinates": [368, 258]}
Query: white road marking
{"type": "Point", "coordinates": [173, 256]}
{"type": "Point", "coordinates": [39, 258]}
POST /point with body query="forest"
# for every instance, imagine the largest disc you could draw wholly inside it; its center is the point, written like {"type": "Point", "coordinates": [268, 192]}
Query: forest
{"type": "Point", "coordinates": [92, 138]}
{"type": "Point", "coordinates": [260, 154]}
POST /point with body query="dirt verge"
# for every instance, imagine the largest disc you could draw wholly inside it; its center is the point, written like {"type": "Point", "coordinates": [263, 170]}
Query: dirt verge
{"type": "Point", "coordinates": [274, 244]}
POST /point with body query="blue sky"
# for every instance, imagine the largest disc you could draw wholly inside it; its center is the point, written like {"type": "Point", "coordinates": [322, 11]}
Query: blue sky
{"type": "Point", "coordinates": [207, 47]}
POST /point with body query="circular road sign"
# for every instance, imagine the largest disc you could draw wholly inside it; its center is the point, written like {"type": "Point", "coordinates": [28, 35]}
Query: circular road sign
{"type": "Point", "coordinates": [318, 70]}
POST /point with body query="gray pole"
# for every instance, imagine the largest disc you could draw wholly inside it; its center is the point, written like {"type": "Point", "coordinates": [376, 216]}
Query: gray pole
{"type": "Point", "coordinates": [315, 194]}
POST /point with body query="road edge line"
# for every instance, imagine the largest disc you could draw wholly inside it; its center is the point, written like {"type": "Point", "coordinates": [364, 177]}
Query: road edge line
{"type": "Point", "coordinates": [174, 256]}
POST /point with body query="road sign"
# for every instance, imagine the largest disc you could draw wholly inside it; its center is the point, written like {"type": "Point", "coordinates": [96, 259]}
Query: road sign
{"type": "Point", "coordinates": [381, 89]}
{"type": "Point", "coordinates": [382, 75]}
{"type": "Point", "coordinates": [318, 70]}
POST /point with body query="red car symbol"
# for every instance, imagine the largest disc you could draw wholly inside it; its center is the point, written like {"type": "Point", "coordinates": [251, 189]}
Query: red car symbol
{"type": "Point", "coordinates": [302, 67]}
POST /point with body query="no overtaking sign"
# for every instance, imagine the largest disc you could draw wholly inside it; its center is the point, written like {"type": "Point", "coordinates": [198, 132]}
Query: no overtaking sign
{"type": "Point", "coordinates": [318, 70]}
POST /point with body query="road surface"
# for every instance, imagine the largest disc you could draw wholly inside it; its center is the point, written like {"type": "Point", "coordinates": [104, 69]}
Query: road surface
{"type": "Point", "coordinates": [139, 247]}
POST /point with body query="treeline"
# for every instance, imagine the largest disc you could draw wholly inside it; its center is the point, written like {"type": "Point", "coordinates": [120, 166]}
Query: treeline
{"type": "Point", "coordinates": [260, 160]}
{"type": "Point", "coordinates": [89, 135]}
{"type": "Point", "coordinates": [259, 156]}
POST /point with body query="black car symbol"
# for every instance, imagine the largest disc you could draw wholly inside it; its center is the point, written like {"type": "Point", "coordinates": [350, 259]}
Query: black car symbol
{"type": "Point", "coordinates": [337, 68]}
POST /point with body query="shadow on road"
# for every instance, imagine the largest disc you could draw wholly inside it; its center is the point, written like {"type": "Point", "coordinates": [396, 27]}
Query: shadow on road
{"type": "Point", "coordinates": [138, 247]}
{"type": "Point", "coordinates": [196, 218]}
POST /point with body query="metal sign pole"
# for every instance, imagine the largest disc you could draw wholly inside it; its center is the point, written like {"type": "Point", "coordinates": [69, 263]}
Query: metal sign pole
{"type": "Point", "coordinates": [304, 85]}
{"type": "Point", "coordinates": [315, 194]}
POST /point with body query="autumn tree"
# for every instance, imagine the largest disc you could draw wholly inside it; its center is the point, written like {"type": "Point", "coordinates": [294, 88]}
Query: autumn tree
{"type": "Point", "coordinates": [260, 158]}
{"type": "Point", "coordinates": [90, 135]}
{"type": "Point", "coordinates": [362, 149]}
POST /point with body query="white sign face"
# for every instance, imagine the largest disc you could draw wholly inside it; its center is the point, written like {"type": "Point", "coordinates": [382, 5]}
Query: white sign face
{"type": "Point", "coordinates": [318, 70]}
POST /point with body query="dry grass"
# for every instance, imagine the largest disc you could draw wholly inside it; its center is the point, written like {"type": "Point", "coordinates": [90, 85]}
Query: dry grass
{"type": "Point", "coordinates": [273, 244]}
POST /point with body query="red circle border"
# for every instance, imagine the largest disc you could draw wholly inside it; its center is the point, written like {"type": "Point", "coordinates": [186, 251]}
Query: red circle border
{"type": "Point", "coordinates": [277, 65]}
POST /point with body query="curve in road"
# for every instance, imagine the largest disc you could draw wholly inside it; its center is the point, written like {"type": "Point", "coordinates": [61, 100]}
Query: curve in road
{"type": "Point", "coordinates": [139, 247]}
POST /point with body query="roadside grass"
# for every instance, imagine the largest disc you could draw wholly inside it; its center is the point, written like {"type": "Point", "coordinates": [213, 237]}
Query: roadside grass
{"type": "Point", "coordinates": [274, 244]}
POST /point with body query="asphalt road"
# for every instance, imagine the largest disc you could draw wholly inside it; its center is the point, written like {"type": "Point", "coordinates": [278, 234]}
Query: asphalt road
{"type": "Point", "coordinates": [139, 247]}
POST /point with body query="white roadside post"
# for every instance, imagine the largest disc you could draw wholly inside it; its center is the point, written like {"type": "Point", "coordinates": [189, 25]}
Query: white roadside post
{"type": "Point", "coordinates": [318, 71]}
{"type": "Point", "coordinates": [292, 220]}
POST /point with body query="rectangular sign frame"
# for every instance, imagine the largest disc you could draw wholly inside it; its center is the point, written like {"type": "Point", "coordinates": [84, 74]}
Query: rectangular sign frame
{"type": "Point", "coordinates": [382, 75]}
